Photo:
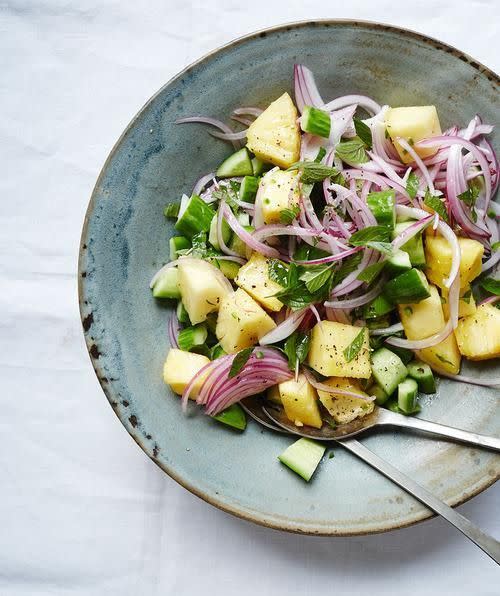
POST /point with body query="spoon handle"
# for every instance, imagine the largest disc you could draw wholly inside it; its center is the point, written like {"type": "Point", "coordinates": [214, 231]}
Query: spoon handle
{"type": "Point", "coordinates": [464, 436]}
{"type": "Point", "coordinates": [485, 542]}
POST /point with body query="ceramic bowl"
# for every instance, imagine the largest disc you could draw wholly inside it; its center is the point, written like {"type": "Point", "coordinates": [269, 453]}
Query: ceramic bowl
{"type": "Point", "coordinates": [125, 240]}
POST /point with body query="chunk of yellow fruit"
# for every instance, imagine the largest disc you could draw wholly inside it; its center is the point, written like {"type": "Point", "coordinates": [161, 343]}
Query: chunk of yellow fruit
{"type": "Point", "coordinates": [254, 279]}
{"type": "Point", "coordinates": [275, 136]}
{"type": "Point", "coordinates": [466, 303]}
{"type": "Point", "coordinates": [478, 335]}
{"type": "Point", "coordinates": [278, 190]}
{"type": "Point", "coordinates": [413, 124]}
{"type": "Point", "coordinates": [326, 353]}
{"type": "Point", "coordinates": [180, 367]}
{"type": "Point", "coordinates": [342, 408]}
{"type": "Point", "coordinates": [241, 322]}
{"type": "Point", "coordinates": [201, 287]}
{"type": "Point", "coordinates": [438, 256]}
{"type": "Point", "coordinates": [444, 356]}
{"type": "Point", "coordinates": [300, 402]}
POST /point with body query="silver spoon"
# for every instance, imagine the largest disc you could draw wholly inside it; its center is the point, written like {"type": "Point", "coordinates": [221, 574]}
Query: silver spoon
{"type": "Point", "coordinates": [274, 418]}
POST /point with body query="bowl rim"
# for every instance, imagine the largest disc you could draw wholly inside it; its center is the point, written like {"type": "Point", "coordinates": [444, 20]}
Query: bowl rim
{"type": "Point", "coordinates": [241, 512]}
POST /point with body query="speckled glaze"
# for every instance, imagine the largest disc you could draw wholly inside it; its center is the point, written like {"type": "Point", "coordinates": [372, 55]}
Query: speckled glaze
{"type": "Point", "coordinates": [125, 240]}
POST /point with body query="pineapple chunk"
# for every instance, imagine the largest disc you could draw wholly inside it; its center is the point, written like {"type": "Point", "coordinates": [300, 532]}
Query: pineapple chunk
{"type": "Point", "coordinates": [326, 352]}
{"type": "Point", "coordinates": [273, 394]}
{"type": "Point", "coordinates": [180, 367]}
{"type": "Point", "coordinates": [241, 322]}
{"type": "Point", "coordinates": [278, 190]}
{"type": "Point", "coordinates": [413, 124]}
{"type": "Point", "coordinates": [444, 356]}
{"type": "Point", "coordinates": [300, 402]}
{"type": "Point", "coordinates": [466, 304]}
{"type": "Point", "coordinates": [478, 335]}
{"type": "Point", "coordinates": [438, 256]}
{"type": "Point", "coordinates": [201, 288]}
{"type": "Point", "coordinates": [275, 136]}
{"type": "Point", "coordinates": [254, 279]}
{"type": "Point", "coordinates": [342, 408]}
{"type": "Point", "coordinates": [424, 319]}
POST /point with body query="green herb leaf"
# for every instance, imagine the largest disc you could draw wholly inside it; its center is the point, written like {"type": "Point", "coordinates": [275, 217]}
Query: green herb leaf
{"type": "Point", "coordinates": [469, 197]}
{"type": "Point", "coordinates": [412, 185]}
{"type": "Point", "coordinates": [372, 272]}
{"type": "Point", "coordinates": [316, 277]}
{"type": "Point", "coordinates": [172, 209]}
{"type": "Point", "coordinates": [312, 171]}
{"type": "Point", "coordinates": [348, 266]}
{"type": "Point", "coordinates": [239, 362]}
{"type": "Point", "coordinates": [383, 247]}
{"type": "Point", "coordinates": [495, 246]}
{"type": "Point", "coordinates": [288, 215]}
{"type": "Point", "coordinates": [352, 152]}
{"type": "Point", "coordinates": [321, 154]}
{"type": "Point", "coordinates": [437, 205]}
{"type": "Point", "coordinates": [296, 348]}
{"type": "Point", "coordinates": [370, 234]}
{"type": "Point", "coordinates": [364, 132]}
{"type": "Point", "coordinates": [491, 285]}
{"type": "Point", "coordinates": [278, 272]}
{"type": "Point", "coordinates": [355, 346]}
{"type": "Point", "coordinates": [467, 296]}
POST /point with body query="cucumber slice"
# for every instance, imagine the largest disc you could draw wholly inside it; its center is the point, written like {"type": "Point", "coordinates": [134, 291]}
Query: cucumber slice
{"type": "Point", "coordinates": [383, 206]}
{"type": "Point", "coordinates": [238, 245]}
{"type": "Point", "coordinates": [380, 395]}
{"type": "Point", "coordinates": [378, 307]}
{"type": "Point", "coordinates": [407, 395]}
{"type": "Point", "coordinates": [177, 243]}
{"type": "Point", "coordinates": [388, 369]}
{"type": "Point", "coordinates": [192, 337]}
{"type": "Point", "coordinates": [405, 355]}
{"type": "Point", "coordinates": [303, 457]}
{"type": "Point", "coordinates": [414, 247]}
{"type": "Point", "coordinates": [243, 218]}
{"type": "Point", "coordinates": [248, 189]}
{"type": "Point", "coordinates": [422, 373]}
{"type": "Point", "coordinates": [409, 287]}
{"type": "Point", "coordinates": [259, 166]}
{"type": "Point", "coordinates": [182, 313]}
{"type": "Point", "coordinates": [398, 263]}
{"type": "Point", "coordinates": [316, 122]}
{"type": "Point", "coordinates": [234, 416]}
{"type": "Point", "coordinates": [216, 352]}
{"type": "Point", "coordinates": [392, 405]}
{"type": "Point", "coordinates": [195, 216]}
{"type": "Point", "coordinates": [172, 209]}
{"type": "Point", "coordinates": [229, 268]}
{"type": "Point", "coordinates": [213, 237]}
{"type": "Point", "coordinates": [167, 285]}
{"type": "Point", "coordinates": [237, 164]}
{"type": "Point", "coordinates": [379, 323]}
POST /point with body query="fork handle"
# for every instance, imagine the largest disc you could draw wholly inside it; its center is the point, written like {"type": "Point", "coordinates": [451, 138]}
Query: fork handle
{"type": "Point", "coordinates": [485, 542]}
{"type": "Point", "coordinates": [464, 436]}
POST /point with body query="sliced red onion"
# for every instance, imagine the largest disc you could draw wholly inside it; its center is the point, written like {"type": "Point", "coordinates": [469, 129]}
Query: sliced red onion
{"type": "Point", "coordinates": [233, 136]}
{"type": "Point", "coordinates": [248, 110]}
{"type": "Point", "coordinates": [416, 158]}
{"type": "Point", "coordinates": [173, 330]}
{"type": "Point", "coordinates": [246, 237]}
{"type": "Point", "coordinates": [411, 231]}
{"type": "Point", "coordinates": [341, 121]}
{"type": "Point", "coordinates": [351, 303]}
{"type": "Point", "coordinates": [221, 215]}
{"type": "Point", "coordinates": [284, 329]}
{"type": "Point", "coordinates": [387, 168]}
{"type": "Point", "coordinates": [161, 271]}
{"type": "Point", "coordinates": [371, 106]}
{"type": "Point", "coordinates": [327, 389]}
{"type": "Point", "coordinates": [213, 122]}
{"type": "Point", "coordinates": [420, 344]}
{"type": "Point", "coordinates": [202, 182]}
{"type": "Point", "coordinates": [271, 230]}
{"type": "Point", "coordinates": [495, 256]}
{"type": "Point", "coordinates": [306, 92]}
{"type": "Point", "coordinates": [490, 300]}
{"type": "Point", "coordinates": [484, 144]}
{"type": "Point", "coordinates": [332, 258]}
{"type": "Point", "coordinates": [315, 312]}
{"type": "Point", "coordinates": [376, 179]}
{"type": "Point", "coordinates": [396, 328]}
{"type": "Point", "coordinates": [310, 213]}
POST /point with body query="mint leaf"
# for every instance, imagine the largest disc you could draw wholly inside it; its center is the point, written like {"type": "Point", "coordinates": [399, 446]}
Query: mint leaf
{"type": "Point", "coordinates": [495, 246]}
{"type": "Point", "coordinates": [467, 296]}
{"type": "Point", "coordinates": [296, 348]}
{"type": "Point", "coordinates": [288, 215]}
{"type": "Point", "coordinates": [172, 209]}
{"type": "Point", "coordinates": [364, 132]}
{"type": "Point", "coordinates": [352, 152]}
{"type": "Point", "coordinates": [412, 185]}
{"type": "Point", "coordinates": [491, 285]}
{"type": "Point", "coordinates": [316, 277]}
{"type": "Point", "coordinates": [239, 361]}
{"type": "Point", "coordinates": [370, 234]}
{"type": "Point", "coordinates": [312, 171]}
{"type": "Point", "coordinates": [278, 272]}
{"type": "Point", "coordinates": [383, 247]}
{"type": "Point", "coordinates": [437, 205]}
{"type": "Point", "coordinates": [321, 154]}
{"type": "Point", "coordinates": [371, 272]}
{"type": "Point", "coordinates": [355, 346]}
{"type": "Point", "coordinates": [346, 268]}
{"type": "Point", "coordinates": [469, 197]}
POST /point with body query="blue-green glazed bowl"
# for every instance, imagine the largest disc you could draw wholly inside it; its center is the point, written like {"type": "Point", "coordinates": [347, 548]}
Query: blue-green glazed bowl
{"type": "Point", "coordinates": [125, 240]}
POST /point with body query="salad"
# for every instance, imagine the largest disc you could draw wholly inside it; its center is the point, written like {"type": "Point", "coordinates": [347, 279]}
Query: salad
{"type": "Point", "coordinates": [338, 259]}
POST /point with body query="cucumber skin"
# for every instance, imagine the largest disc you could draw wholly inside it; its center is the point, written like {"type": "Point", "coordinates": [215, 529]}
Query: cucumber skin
{"type": "Point", "coordinates": [316, 122]}
{"type": "Point", "coordinates": [178, 243]}
{"type": "Point", "coordinates": [378, 307]}
{"type": "Point", "coordinates": [248, 189]}
{"type": "Point", "coordinates": [196, 218]}
{"type": "Point", "coordinates": [383, 206]}
{"type": "Point", "coordinates": [414, 247]}
{"type": "Point", "coordinates": [398, 264]}
{"type": "Point", "coordinates": [182, 314]}
{"type": "Point", "coordinates": [409, 287]}
{"type": "Point", "coordinates": [388, 369]}
{"type": "Point", "coordinates": [234, 417]}
{"type": "Point", "coordinates": [167, 286]}
{"type": "Point", "coordinates": [237, 164]}
{"type": "Point", "coordinates": [425, 379]}
{"type": "Point", "coordinates": [407, 395]}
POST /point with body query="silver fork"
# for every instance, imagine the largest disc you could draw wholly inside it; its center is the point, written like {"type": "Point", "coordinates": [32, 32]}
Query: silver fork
{"type": "Point", "coordinates": [275, 419]}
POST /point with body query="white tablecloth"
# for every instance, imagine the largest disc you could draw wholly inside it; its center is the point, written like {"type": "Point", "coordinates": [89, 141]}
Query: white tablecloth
{"type": "Point", "coordinates": [82, 510]}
